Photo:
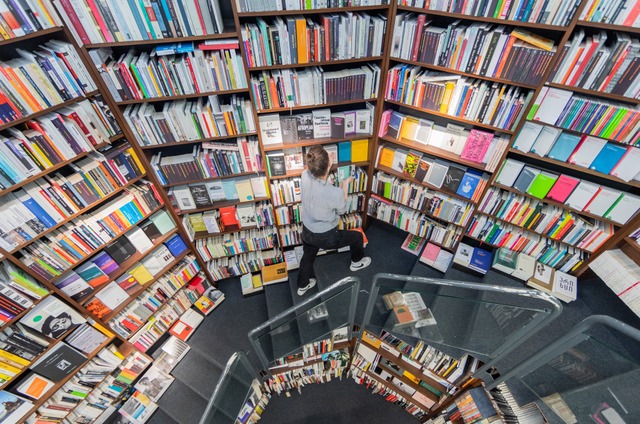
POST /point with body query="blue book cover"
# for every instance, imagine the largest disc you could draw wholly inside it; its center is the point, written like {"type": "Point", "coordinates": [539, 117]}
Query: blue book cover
{"type": "Point", "coordinates": [344, 151]}
{"type": "Point", "coordinates": [35, 208]}
{"type": "Point", "coordinates": [105, 262]}
{"type": "Point", "coordinates": [393, 130]}
{"type": "Point", "coordinates": [608, 158]}
{"type": "Point", "coordinates": [229, 188]}
{"type": "Point", "coordinates": [481, 260]}
{"type": "Point", "coordinates": [176, 245]}
{"type": "Point", "coordinates": [139, 22]}
{"type": "Point", "coordinates": [564, 146]}
{"type": "Point", "coordinates": [468, 184]}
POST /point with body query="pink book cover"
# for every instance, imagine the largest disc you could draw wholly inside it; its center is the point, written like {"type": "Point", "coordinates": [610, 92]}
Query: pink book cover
{"type": "Point", "coordinates": [476, 146]}
{"type": "Point", "coordinates": [384, 123]}
{"type": "Point", "coordinates": [563, 188]}
{"type": "Point", "coordinates": [430, 253]}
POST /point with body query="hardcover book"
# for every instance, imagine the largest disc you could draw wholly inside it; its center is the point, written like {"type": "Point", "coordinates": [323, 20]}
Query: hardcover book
{"type": "Point", "coordinates": [337, 125]}
{"type": "Point", "coordinates": [305, 126]}
{"type": "Point", "coordinates": [452, 179]}
{"type": "Point", "coordinates": [276, 165]}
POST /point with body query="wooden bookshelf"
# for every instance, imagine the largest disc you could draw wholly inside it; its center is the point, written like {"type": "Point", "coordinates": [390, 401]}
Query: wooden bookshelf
{"type": "Point", "coordinates": [634, 245]}
{"type": "Point", "coordinates": [464, 74]}
{"type": "Point", "coordinates": [435, 151]}
{"type": "Point", "coordinates": [281, 369]}
{"type": "Point", "coordinates": [183, 96]}
{"type": "Point", "coordinates": [323, 105]}
{"type": "Point", "coordinates": [43, 112]}
{"type": "Point", "coordinates": [395, 388]}
{"type": "Point", "coordinates": [222, 204]}
{"type": "Point", "coordinates": [319, 63]}
{"type": "Point", "coordinates": [248, 251]}
{"type": "Point", "coordinates": [23, 313]}
{"type": "Point", "coordinates": [609, 27]}
{"type": "Point", "coordinates": [450, 117]}
{"type": "Point", "coordinates": [451, 15]}
{"type": "Point", "coordinates": [570, 131]}
{"type": "Point", "coordinates": [608, 96]}
{"type": "Point", "coordinates": [36, 34]}
{"type": "Point", "coordinates": [220, 177]}
{"type": "Point", "coordinates": [314, 141]}
{"type": "Point", "coordinates": [298, 172]}
{"type": "Point", "coordinates": [77, 214]}
{"type": "Point", "coordinates": [425, 213]}
{"type": "Point", "coordinates": [313, 11]}
{"type": "Point", "coordinates": [482, 241]}
{"type": "Point", "coordinates": [192, 39]}
{"type": "Point", "coordinates": [201, 140]}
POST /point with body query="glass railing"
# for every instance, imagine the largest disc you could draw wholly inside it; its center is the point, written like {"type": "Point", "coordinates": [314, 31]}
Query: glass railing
{"type": "Point", "coordinates": [312, 320]}
{"type": "Point", "coordinates": [458, 317]}
{"type": "Point", "coordinates": [590, 374]}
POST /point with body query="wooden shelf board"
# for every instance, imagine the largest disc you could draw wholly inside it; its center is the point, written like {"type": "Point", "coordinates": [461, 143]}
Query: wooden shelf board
{"type": "Point", "coordinates": [611, 27]}
{"type": "Point", "coordinates": [218, 205]}
{"type": "Point", "coordinates": [417, 210]}
{"type": "Point", "coordinates": [47, 110]}
{"type": "Point", "coordinates": [451, 117]}
{"type": "Point", "coordinates": [634, 245]}
{"type": "Point", "coordinates": [322, 105]}
{"type": "Point", "coordinates": [314, 141]}
{"type": "Point", "coordinates": [320, 63]}
{"type": "Point", "coordinates": [226, 34]}
{"type": "Point", "coordinates": [116, 137]}
{"type": "Point", "coordinates": [23, 313]}
{"type": "Point", "coordinates": [181, 97]}
{"type": "Point", "coordinates": [222, 177]}
{"type": "Point", "coordinates": [435, 151]}
{"type": "Point", "coordinates": [466, 74]}
{"type": "Point", "coordinates": [312, 11]}
{"type": "Point", "coordinates": [201, 140]}
{"type": "Point", "coordinates": [447, 248]}
{"type": "Point", "coordinates": [608, 96]}
{"type": "Point", "coordinates": [77, 214]}
{"type": "Point", "coordinates": [35, 34]}
{"type": "Point", "coordinates": [557, 28]}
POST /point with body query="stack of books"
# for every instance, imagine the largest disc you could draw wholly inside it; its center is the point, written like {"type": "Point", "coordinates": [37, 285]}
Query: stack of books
{"type": "Point", "coordinates": [235, 243]}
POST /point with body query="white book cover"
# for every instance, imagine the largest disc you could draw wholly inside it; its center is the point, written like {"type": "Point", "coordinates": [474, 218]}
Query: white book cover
{"type": "Point", "coordinates": [112, 295]}
{"type": "Point", "coordinates": [627, 168]}
{"type": "Point", "coordinates": [624, 209]}
{"type": "Point", "coordinates": [438, 136]}
{"type": "Point", "coordinates": [183, 197]}
{"type": "Point", "coordinates": [552, 105]}
{"type": "Point", "coordinates": [565, 286]}
{"type": "Point", "coordinates": [587, 151]}
{"type": "Point", "coordinates": [527, 136]}
{"type": "Point", "coordinates": [582, 194]}
{"type": "Point", "coordinates": [602, 201]}
{"type": "Point", "coordinates": [270, 129]}
{"type": "Point", "coordinates": [443, 260]}
{"type": "Point", "coordinates": [463, 255]}
{"type": "Point", "coordinates": [437, 173]}
{"type": "Point", "coordinates": [258, 185]}
{"type": "Point", "coordinates": [215, 190]}
{"type": "Point", "coordinates": [321, 123]}
{"type": "Point", "coordinates": [139, 240]}
{"type": "Point", "coordinates": [509, 172]}
{"type": "Point", "coordinates": [545, 140]}
{"type": "Point", "coordinates": [525, 267]}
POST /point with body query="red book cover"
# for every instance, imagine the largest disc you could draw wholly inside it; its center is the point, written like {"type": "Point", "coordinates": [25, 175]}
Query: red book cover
{"type": "Point", "coordinates": [228, 218]}
{"type": "Point", "coordinates": [75, 21]}
{"type": "Point", "coordinates": [98, 17]}
{"type": "Point", "coordinates": [418, 37]}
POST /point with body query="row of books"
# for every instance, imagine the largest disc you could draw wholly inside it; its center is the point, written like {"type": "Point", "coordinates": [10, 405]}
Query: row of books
{"type": "Point", "coordinates": [81, 282]}
{"type": "Point", "coordinates": [230, 218]}
{"type": "Point", "coordinates": [494, 104]}
{"type": "Point", "coordinates": [443, 175]}
{"type": "Point", "coordinates": [621, 12]}
{"type": "Point", "coordinates": [550, 221]}
{"type": "Point", "coordinates": [49, 75]}
{"type": "Point", "coordinates": [97, 22]}
{"type": "Point", "coordinates": [621, 274]}
{"type": "Point", "coordinates": [235, 243]}
{"type": "Point", "coordinates": [290, 235]}
{"type": "Point", "coordinates": [579, 195]}
{"type": "Point", "coordinates": [22, 283]}
{"type": "Point", "coordinates": [599, 62]}
{"type": "Point", "coordinates": [50, 140]}
{"type": "Point", "coordinates": [13, 302]}
{"type": "Point", "coordinates": [190, 120]}
{"type": "Point", "coordinates": [286, 190]}
{"type": "Point", "coordinates": [584, 151]}
{"type": "Point", "coordinates": [447, 208]}
{"type": "Point", "coordinates": [113, 294]}
{"type": "Point", "coordinates": [477, 146]}
{"type": "Point", "coordinates": [244, 263]}
{"type": "Point", "coordinates": [52, 256]}
{"type": "Point", "coordinates": [414, 222]}
{"type": "Point", "coordinates": [289, 87]}
{"type": "Point", "coordinates": [261, 6]}
{"type": "Point", "coordinates": [350, 221]}
{"type": "Point", "coordinates": [330, 366]}
{"type": "Point", "coordinates": [208, 194]}
{"type": "Point", "coordinates": [47, 202]}
{"type": "Point", "coordinates": [144, 306]}
{"type": "Point", "coordinates": [299, 39]}
{"type": "Point", "coordinates": [17, 350]}
{"type": "Point", "coordinates": [155, 74]}
{"type": "Point", "coordinates": [553, 12]}
{"type": "Point", "coordinates": [208, 160]}
{"type": "Point", "coordinates": [320, 123]}
{"type": "Point", "coordinates": [613, 121]}
{"type": "Point", "coordinates": [67, 398]}
{"type": "Point", "coordinates": [478, 48]}
{"type": "Point", "coordinates": [255, 404]}
{"type": "Point", "coordinates": [555, 254]}
{"type": "Point", "coordinates": [290, 214]}
{"type": "Point", "coordinates": [18, 19]}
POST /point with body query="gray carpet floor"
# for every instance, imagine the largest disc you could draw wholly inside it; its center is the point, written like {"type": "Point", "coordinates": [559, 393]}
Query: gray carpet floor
{"type": "Point", "coordinates": [225, 332]}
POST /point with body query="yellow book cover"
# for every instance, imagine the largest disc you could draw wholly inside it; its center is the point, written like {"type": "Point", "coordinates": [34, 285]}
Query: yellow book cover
{"type": "Point", "coordinates": [136, 159]}
{"type": "Point", "coordinates": [14, 358]}
{"type": "Point", "coordinates": [411, 377]}
{"type": "Point", "coordinates": [275, 273]}
{"type": "Point", "coordinates": [359, 150]}
{"type": "Point", "coordinates": [153, 79]}
{"type": "Point", "coordinates": [409, 128]}
{"type": "Point", "coordinates": [102, 329]}
{"type": "Point", "coordinates": [370, 339]}
{"type": "Point", "coordinates": [301, 38]}
{"type": "Point", "coordinates": [141, 274]}
{"type": "Point", "coordinates": [446, 98]}
{"type": "Point", "coordinates": [256, 281]}
{"type": "Point", "coordinates": [40, 154]}
{"type": "Point", "coordinates": [495, 106]}
{"type": "Point", "coordinates": [8, 369]}
{"type": "Point", "coordinates": [386, 157]}
{"type": "Point", "coordinates": [231, 74]}
{"type": "Point", "coordinates": [245, 193]}
{"type": "Point", "coordinates": [531, 38]}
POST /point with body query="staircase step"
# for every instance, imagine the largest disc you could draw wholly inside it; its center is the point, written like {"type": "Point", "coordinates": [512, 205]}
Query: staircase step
{"type": "Point", "coordinates": [199, 373]}
{"type": "Point", "coordinates": [183, 404]}
{"type": "Point", "coordinates": [310, 329]}
{"type": "Point", "coordinates": [285, 338]}
{"type": "Point", "coordinates": [161, 417]}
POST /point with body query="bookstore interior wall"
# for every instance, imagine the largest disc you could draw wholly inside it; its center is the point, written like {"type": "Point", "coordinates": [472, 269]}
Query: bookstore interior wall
{"type": "Point", "coordinates": [150, 149]}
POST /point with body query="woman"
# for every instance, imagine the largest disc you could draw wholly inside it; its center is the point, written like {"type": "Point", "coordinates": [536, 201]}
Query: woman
{"type": "Point", "coordinates": [322, 204]}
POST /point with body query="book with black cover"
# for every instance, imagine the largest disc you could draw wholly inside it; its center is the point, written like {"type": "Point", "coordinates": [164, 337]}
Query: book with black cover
{"type": "Point", "coordinates": [337, 125]}
{"type": "Point", "coordinates": [58, 362]}
{"type": "Point", "coordinates": [150, 229]}
{"type": "Point", "coordinates": [120, 250]}
{"type": "Point", "coordinates": [452, 179]}
{"type": "Point", "coordinates": [276, 164]}
{"type": "Point", "coordinates": [200, 195]}
{"type": "Point", "coordinates": [305, 126]}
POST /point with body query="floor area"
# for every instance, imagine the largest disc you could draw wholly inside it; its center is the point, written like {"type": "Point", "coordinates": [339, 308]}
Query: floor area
{"type": "Point", "coordinates": [225, 332]}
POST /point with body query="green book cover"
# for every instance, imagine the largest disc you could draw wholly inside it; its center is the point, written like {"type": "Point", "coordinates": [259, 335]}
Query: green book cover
{"type": "Point", "coordinates": [613, 124]}
{"type": "Point", "coordinates": [542, 184]}
{"type": "Point", "coordinates": [496, 13]}
{"type": "Point", "coordinates": [145, 15]}
{"type": "Point", "coordinates": [163, 222]}
{"type": "Point", "coordinates": [606, 214]}
{"type": "Point", "coordinates": [134, 69]}
{"type": "Point", "coordinates": [387, 190]}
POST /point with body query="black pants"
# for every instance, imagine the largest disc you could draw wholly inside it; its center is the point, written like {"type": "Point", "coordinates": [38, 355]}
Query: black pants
{"type": "Point", "coordinates": [332, 239]}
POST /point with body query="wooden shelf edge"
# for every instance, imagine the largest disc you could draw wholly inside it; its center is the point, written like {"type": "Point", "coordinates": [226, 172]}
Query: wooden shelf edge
{"type": "Point", "coordinates": [230, 34]}
{"type": "Point", "coordinates": [182, 96]}
{"type": "Point", "coordinates": [312, 11]}
{"type": "Point", "coordinates": [320, 63]}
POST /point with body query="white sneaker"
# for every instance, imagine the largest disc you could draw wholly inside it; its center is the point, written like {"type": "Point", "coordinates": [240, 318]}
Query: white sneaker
{"type": "Point", "coordinates": [303, 290]}
{"type": "Point", "coordinates": [361, 264]}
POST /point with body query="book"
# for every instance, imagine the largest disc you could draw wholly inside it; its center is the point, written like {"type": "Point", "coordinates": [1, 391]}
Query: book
{"type": "Point", "coordinates": [562, 188]}
{"type": "Point", "coordinates": [608, 158]}
{"type": "Point", "coordinates": [565, 286]}
{"type": "Point", "coordinates": [525, 267]}
{"type": "Point", "coordinates": [73, 286]}
{"type": "Point", "coordinates": [542, 184]}
{"type": "Point", "coordinates": [509, 172]}
{"type": "Point", "coordinates": [112, 295]}
{"type": "Point", "coordinates": [430, 254]}
{"type": "Point", "coordinates": [360, 150]}
{"type": "Point", "coordinates": [275, 273]}
{"type": "Point", "coordinates": [154, 383]}
{"type": "Point", "coordinates": [59, 361]}
{"type": "Point", "coordinates": [276, 164]}
{"type": "Point", "coordinates": [34, 386]}
{"type": "Point", "coordinates": [270, 129]}
{"type": "Point", "coordinates": [542, 278]}
{"type": "Point", "coordinates": [463, 255]}
{"type": "Point", "coordinates": [564, 146]}
{"type": "Point", "coordinates": [582, 195]}
{"type": "Point", "coordinates": [15, 407]}
{"type": "Point", "coordinates": [505, 260]}
{"type": "Point", "coordinates": [413, 244]}
{"type": "Point", "coordinates": [480, 260]}
{"type": "Point", "coordinates": [187, 324]}
{"type": "Point", "coordinates": [587, 151]}
{"type": "Point", "coordinates": [92, 274]}
{"type": "Point", "coordinates": [52, 317]}
{"type": "Point", "coordinates": [476, 145]}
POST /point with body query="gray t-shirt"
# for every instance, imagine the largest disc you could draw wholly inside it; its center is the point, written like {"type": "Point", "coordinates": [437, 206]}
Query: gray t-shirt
{"type": "Point", "coordinates": [322, 203]}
